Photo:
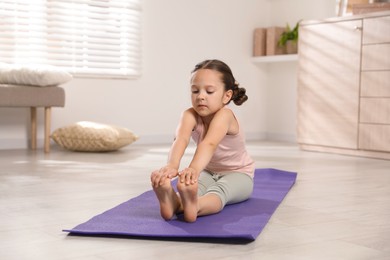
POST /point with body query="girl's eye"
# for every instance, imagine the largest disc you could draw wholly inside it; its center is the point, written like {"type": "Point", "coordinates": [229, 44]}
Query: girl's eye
{"type": "Point", "coordinates": [195, 91]}
{"type": "Point", "coordinates": [210, 92]}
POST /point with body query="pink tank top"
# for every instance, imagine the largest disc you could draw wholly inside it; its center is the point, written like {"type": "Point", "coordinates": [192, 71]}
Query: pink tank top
{"type": "Point", "coordinates": [230, 155]}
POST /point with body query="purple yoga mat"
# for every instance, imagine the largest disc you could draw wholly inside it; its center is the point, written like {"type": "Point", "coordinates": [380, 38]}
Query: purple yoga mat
{"type": "Point", "coordinates": [140, 216]}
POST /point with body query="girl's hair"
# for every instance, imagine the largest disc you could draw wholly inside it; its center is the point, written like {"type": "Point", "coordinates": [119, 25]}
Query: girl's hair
{"type": "Point", "coordinates": [239, 96]}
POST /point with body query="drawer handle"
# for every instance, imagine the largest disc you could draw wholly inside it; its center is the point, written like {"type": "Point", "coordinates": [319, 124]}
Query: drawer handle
{"type": "Point", "coordinates": [358, 28]}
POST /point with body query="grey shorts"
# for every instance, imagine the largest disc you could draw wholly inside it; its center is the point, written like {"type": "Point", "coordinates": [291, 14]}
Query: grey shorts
{"type": "Point", "coordinates": [230, 188]}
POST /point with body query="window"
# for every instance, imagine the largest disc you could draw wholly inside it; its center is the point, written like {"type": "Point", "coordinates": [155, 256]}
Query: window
{"type": "Point", "coordinates": [90, 38]}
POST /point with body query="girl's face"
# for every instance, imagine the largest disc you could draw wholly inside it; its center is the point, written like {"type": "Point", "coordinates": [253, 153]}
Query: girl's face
{"type": "Point", "coordinates": [208, 93]}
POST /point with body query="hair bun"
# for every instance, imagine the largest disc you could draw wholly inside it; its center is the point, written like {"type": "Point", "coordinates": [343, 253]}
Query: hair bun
{"type": "Point", "coordinates": [239, 96]}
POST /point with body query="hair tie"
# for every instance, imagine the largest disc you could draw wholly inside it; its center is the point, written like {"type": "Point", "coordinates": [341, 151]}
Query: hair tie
{"type": "Point", "coordinates": [236, 84]}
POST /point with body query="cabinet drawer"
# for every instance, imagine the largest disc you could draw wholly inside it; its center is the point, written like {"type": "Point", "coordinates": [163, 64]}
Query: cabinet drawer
{"type": "Point", "coordinates": [376, 30]}
{"type": "Point", "coordinates": [375, 110]}
{"type": "Point", "coordinates": [376, 57]}
{"type": "Point", "coordinates": [375, 84]}
{"type": "Point", "coordinates": [374, 137]}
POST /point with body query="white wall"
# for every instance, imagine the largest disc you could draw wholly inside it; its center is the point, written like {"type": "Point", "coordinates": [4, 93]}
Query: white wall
{"type": "Point", "coordinates": [282, 81]}
{"type": "Point", "coordinates": [176, 35]}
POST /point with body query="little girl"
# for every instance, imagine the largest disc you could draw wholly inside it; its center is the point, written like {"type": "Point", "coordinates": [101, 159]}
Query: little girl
{"type": "Point", "coordinates": [221, 171]}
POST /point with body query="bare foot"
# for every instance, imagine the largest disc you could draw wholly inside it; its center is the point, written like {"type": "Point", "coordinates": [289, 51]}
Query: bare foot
{"type": "Point", "coordinates": [189, 198]}
{"type": "Point", "coordinates": [169, 201]}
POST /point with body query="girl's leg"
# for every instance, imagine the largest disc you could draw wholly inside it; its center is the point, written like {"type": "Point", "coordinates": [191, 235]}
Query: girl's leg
{"type": "Point", "coordinates": [170, 202]}
{"type": "Point", "coordinates": [209, 204]}
{"type": "Point", "coordinates": [227, 189]}
{"type": "Point", "coordinates": [205, 180]}
{"type": "Point", "coordinates": [233, 188]}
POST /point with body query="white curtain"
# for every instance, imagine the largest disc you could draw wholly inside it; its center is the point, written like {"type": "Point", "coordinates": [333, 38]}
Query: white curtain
{"type": "Point", "coordinates": [93, 38]}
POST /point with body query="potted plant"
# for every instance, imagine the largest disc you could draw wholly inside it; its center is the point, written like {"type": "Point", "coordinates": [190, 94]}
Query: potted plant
{"type": "Point", "coordinates": [289, 39]}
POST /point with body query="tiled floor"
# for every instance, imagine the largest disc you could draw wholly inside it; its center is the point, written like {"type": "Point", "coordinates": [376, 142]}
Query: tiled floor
{"type": "Point", "coordinates": [338, 209]}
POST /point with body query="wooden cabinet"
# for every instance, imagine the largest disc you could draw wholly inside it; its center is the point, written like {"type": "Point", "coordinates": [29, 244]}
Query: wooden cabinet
{"type": "Point", "coordinates": [374, 123]}
{"type": "Point", "coordinates": [328, 84]}
{"type": "Point", "coordinates": [344, 85]}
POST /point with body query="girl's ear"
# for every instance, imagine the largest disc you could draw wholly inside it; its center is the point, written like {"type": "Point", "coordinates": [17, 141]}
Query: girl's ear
{"type": "Point", "coordinates": [227, 96]}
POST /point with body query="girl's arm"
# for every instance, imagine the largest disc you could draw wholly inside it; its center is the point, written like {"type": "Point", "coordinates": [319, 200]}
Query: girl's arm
{"type": "Point", "coordinates": [218, 128]}
{"type": "Point", "coordinates": [182, 139]}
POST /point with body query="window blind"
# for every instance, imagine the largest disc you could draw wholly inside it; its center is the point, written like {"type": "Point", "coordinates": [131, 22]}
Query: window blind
{"type": "Point", "coordinates": [91, 38]}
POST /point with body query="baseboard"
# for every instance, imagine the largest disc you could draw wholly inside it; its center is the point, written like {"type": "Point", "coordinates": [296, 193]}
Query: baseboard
{"type": "Point", "coordinates": [255, 136]}
{"type": "Point", "coordinates": [155, 139]}
{"type": "Point", "coordinates": [343, 151]}
{"type": "Point", "coordinates": [167, 139]}
{"type": "Point", "coordinates": [16, 143]}
{"type": "Point", "coordinates": [290, 138]}
{"type": "Point", "coordinates": [20, 143]}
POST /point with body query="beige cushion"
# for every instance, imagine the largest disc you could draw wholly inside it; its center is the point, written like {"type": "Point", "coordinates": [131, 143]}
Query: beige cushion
{"type": "Point", "coordinates": [93, 137]}
{"type": "Point", "coordinates": [33, 75]}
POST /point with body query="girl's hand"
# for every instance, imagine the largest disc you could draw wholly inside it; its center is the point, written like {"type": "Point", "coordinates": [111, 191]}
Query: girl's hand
{"type": "Point", "coordinates": [188, 176]}
{"type": "Point", "coordinates": [158, 177]}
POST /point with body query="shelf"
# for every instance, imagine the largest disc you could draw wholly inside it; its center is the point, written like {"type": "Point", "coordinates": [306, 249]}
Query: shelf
{"type": "Point", "coordinates": [275, 58]}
